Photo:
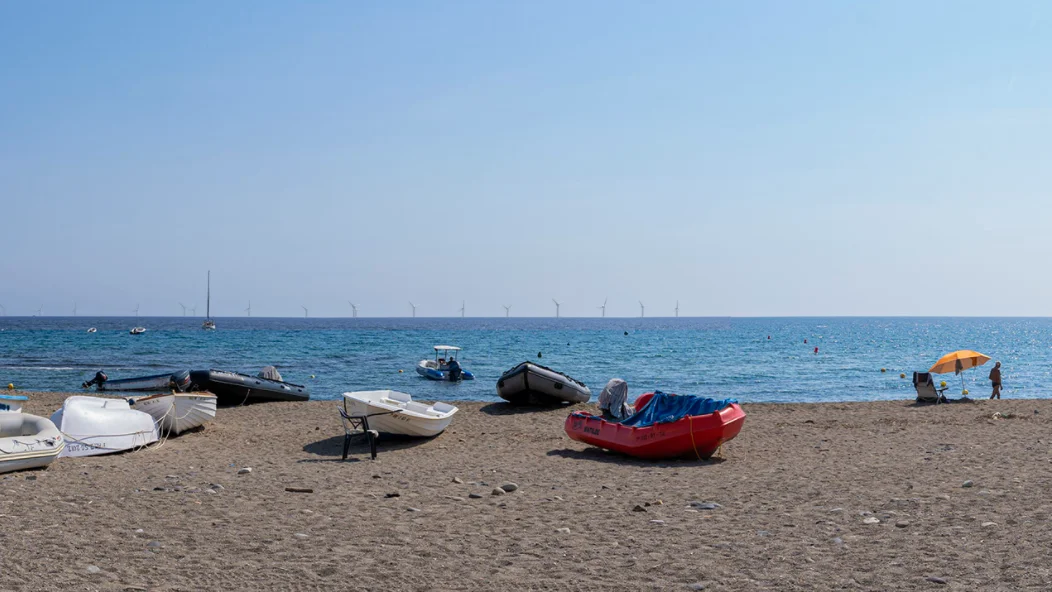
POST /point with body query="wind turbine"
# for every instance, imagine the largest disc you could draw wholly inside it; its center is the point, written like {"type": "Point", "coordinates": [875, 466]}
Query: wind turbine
{"type": "Point", "coordinates": [641, 310]}
{"type": "Point", "coordinates": [136, 313]}
{"type": "Point", "coordinates": [414, 308]}
{"type": "Point", "coordinates": [40, 311]}
{"type": "Point", "coordinates": [461, 309]}
{"type": "Point", "coordinates": [249, 309]}
{"type": "Point", "coordinates": [677, 309]}
{"type": "Point", "coordinates": [603, 307]}
{"type": "Point", "coordinates": [507, 311]}
{"type": "Point", "coordinates": [193, 311]}
{"type": "Point", "coordinates": [354, 309]}
{"type": "Point", "coordinates": [305, 315]}
{"type": "Point", "coordinates": [184, 308]}
{"type": "Point", "coordinates": [556, 307]}
{"type": "Point", "coordinates": [3, 309]}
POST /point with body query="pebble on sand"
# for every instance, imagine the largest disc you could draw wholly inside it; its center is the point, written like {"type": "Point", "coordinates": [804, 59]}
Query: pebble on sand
{"type": "Point", "coordinates": [457, 480]}
{"type": "Point", "coordinates": [475, 495]}
{"type": "Point", "coordinates": [563, 530]}
{"type": "Point", "coordinates": [658, 522]}
{"type": "Point", "coordinates": [509, 487]}
{"type": "Point", "coordinates": [498, 491]}
{"type": "Point", "coordinates": [967, 483]}
{"type": "Point", "coordinates": [871, 520]}
{"type": "Point", "coordinates": [936, 580]}
{"type": "Point", "coordinates": [988, 524]}
{"type": "Point", "coordinates": [393, 494]}
{"type": "Point", "coordinates": [639, 508]}
{"type": "Point", "coordinates": [300, 535]}
{"type": "Point", "coordinates": [244, 471]}
{"type": "Point", "coordinates": [705, 505]}
{"type": "Point", "coordinates": [94, 569]}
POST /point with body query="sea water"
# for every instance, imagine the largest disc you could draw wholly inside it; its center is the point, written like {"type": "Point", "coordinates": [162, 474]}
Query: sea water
{"type": "Point", "coordinates": [751, 359]}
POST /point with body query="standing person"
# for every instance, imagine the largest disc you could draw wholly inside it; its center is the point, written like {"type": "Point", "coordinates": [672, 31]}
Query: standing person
{"type": "Point", "coordinates": [995, 378]}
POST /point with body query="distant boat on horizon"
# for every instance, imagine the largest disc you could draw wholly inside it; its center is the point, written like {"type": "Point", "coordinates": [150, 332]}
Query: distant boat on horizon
{"type": "Point", "coordinates": [209, 324]}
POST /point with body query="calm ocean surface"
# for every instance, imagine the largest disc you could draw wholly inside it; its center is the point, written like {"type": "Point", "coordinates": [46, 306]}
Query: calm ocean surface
{"type": "Point", "coordinates": [701, 356]}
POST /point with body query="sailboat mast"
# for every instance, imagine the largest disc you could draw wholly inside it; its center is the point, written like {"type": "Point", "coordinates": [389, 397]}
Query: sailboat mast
{"type": "Point", "coordinates": [208, 300]}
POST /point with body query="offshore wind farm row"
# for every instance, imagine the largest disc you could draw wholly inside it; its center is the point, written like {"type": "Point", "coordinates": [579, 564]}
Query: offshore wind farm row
{"type": "Point", "coordinates": [191, 311]}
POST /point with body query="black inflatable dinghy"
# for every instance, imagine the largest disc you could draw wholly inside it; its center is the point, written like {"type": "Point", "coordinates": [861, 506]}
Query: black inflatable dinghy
{"type": "Point", "coordinates": [233, 388]}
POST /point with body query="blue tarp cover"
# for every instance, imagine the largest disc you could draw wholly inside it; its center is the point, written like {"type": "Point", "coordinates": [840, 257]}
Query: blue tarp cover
{"type": "Point", "coordinates": [664, 408]}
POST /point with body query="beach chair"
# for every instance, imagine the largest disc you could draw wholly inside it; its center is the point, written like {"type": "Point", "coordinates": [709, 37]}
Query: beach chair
{"type": "Point", "coordinates": [351, 425]}
{"type": "Point", "coordinates": [926, 390]}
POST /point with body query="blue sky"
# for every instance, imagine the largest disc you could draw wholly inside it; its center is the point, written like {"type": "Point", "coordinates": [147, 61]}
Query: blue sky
{"type": "Point", "coordinates": [753, 158]}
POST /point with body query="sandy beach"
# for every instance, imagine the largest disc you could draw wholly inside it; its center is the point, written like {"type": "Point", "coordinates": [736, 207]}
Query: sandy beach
{"type": "Point", "coordinates": [866, 496]}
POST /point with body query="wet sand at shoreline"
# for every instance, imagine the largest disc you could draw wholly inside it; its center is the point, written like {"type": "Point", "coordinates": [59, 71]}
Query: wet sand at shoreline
{"type": "Point", "coordinates": [797, 492]}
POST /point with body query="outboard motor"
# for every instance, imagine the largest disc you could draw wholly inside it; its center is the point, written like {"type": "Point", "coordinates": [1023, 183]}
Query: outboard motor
{"type": "Point", "coordinates": [100, 377]}
{"type": "Point", "coordinates": [454, 371]}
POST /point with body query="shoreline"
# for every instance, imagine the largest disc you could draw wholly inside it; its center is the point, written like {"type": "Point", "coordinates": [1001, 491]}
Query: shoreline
{"type": "Point", "coordinates": [794, 490]}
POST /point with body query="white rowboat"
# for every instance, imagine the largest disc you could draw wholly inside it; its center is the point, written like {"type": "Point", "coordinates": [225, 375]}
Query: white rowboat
{"type": "Point", "coordinates": [27, 442]}
{"type": "Point", "coordinates": [93, 425]}
{"type": "Point", "coordinates": [393, 412]}
{"type": "Point", "coordinates": [176, 413]}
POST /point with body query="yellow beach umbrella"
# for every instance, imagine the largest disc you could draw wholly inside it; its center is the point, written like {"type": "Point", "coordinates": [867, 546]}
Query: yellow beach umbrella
{"type": "Point", "coordinates": [958, 361]}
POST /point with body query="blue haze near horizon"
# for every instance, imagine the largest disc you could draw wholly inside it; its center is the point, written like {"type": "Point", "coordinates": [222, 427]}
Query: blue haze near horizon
{"type": "Point", "coordinates": [717, 357]}
{"type": "Point", "coordinates": [748, 158]}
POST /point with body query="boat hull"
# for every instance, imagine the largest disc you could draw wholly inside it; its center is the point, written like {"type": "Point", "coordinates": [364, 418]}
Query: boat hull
{"type": "Point", "coordinates": [696, 436]}
{"type": "Point", "coordinates": [532, 384]}
{"type": "Point", "coordinates": [178, 381]}
{"type": "Point", "coordinates": [400, 417]}
{"type": "Point", "coordinates": [12, 403]}
{"type": "Point", "coordinates": [28, 442]}
{"type": "Point", "coordinates": [176, 413]}
{"type": "Point", "coordinates": [232, 388]}
{"type": "Point", "coordinates": [94, 425]}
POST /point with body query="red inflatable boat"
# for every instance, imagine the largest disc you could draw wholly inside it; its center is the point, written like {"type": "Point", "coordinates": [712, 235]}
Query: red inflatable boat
{"type": "Point", "coordinates": [695, 436]}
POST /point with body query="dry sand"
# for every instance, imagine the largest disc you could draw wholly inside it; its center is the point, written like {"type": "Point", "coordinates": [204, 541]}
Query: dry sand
{"type": "Point", "coordinates": [794, 488]}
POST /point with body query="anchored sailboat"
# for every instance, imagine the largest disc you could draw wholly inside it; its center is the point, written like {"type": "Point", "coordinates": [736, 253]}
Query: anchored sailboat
{"type": "Point", "coordinates": [209, 324]}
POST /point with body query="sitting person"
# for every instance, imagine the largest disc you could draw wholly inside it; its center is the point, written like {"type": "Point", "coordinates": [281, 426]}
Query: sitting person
{"type": "Point", "coordinates": [613, 401]}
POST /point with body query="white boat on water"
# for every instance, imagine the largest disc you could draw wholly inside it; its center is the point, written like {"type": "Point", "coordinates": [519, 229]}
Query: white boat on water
{"type": "Point", "coordinates": [92, 330]}
{"type": "Point", "coordinates": [176, 413]}
{"type": "Point", "coordinates": [393, 412]}
{"type": "Point", "coordinates": [137, 330]}
{"type": "Point", "coordinates": [93, 425]}
{"type": "Point", "coordinates": [27, 442]}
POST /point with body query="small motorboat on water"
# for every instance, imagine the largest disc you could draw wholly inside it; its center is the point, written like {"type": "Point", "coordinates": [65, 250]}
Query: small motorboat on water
{"type": "Point", "coordinates": [27, 441]}
{"type": "Point", "coordinates": [233, 388]}
{"type": "Point", "coordinates": [445, 365]}
{"type": "Point", "coordinates": [94, 425]}
{"type": "Point", "coordinates": [663, 426]}
{"type": "Point", "coordinates": [173, 381]}
{"type": "Point", "coordinates": [92, 330]}
{"type": "Point", "coordinates": [393, 412]}
{"type": "Point", "coordinates": [530, 383]}
{"type": "Point", "coordinates": [137, 330]}
{"type": "Point", "coordinates": [176, 413]}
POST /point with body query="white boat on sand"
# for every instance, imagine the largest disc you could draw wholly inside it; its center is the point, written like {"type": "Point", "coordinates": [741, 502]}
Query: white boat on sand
{"type": "Point", "coordinates": [176, 413]}
{"type": "Point", "coordinates": [393, 412]}
{"type": "Point", "coordinates": [93, 425]}
{"type": "Point", "coordinates": [27, 442]}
